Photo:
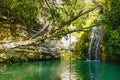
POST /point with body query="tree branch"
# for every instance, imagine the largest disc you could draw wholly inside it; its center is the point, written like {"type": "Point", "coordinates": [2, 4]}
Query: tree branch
{"type": "Point", "coordinates": [18, 43]}
{"type": "Point", "coordinates": [96, 3]}
{"type": "Point", "coordinates": [41, 30]}
{"type": "Point", "coordinates": [77, 16]}
{"type": "Point", "coordinates": [72, 31]}
{"type": "Point", "coordinates": [36, 38]}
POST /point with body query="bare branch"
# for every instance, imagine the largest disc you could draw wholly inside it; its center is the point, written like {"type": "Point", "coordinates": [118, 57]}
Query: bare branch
{"type": "Point", "coordinates": [96, 3]}
{"type": "Point", "coordinates": [72, 31]}
{"type": "Point", "coordinates": [41, 30]}
{"type": "Point", "coordinates": [47, 4]}
{"type": "Point", "coordinates": [77, 16]}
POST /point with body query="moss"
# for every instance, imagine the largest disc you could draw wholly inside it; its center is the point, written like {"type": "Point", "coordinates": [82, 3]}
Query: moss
{"type": "Point", "coordinates": [82, 46]}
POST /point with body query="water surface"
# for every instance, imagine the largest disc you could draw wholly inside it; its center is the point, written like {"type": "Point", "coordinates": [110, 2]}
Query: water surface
{"type": "Point", "coordinates": [60, 70]}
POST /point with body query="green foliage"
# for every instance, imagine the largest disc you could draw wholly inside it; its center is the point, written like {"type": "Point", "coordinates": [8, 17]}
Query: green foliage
{"type": "Point", "coordinates": [113, 42]}
{"type": "Point", "coordinates": [31, 13]}
{"type": "Point", "coordinates": [111, 20]}
{"type": "Point", "coordinates": [111, 14]}
{"type": "Point", "coordinates": [20, 11]}
{"type": "Point", "coordinates": [82, 45]}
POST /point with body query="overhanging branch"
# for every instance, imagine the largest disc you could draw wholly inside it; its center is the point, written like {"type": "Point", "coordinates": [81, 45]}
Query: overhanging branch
{"type": "Point", "coordinates": [41, 30]}
{"type": "Point", "coordinates": [81, 13]}
{"type": "Point", "coordinates": [71, 31]}
{"type": "Point", "coordinates": [36, 38]}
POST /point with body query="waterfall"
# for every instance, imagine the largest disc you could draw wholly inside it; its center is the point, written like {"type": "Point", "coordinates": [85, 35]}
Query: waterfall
{"type": "Point", "coordinates": [94, 46]}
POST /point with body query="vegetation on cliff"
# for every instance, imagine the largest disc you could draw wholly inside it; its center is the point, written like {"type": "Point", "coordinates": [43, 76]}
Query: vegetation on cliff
{"type": "Point", "coordinates": [25, 24]}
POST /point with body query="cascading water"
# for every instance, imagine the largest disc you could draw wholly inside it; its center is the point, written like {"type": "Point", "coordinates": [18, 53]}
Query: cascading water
{"type": "Point", "coordinates": [94, 46]}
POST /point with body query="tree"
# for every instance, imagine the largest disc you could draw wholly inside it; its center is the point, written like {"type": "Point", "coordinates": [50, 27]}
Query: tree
{"type": "Point", "coordinates": [111, 21]}
{"type": "Point", "coordinates": [35, 14]}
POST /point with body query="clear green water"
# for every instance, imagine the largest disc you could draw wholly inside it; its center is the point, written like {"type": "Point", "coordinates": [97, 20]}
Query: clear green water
{"type": "Point", "coordinates": [60, 70]}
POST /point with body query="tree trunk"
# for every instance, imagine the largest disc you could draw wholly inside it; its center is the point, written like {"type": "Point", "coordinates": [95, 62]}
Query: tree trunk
{"type": "Point", "coordinates": [19, 43]}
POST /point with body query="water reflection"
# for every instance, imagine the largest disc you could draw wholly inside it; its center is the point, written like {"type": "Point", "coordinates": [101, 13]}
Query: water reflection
{"type": "Point", "coordinates": [89, 70]}
{"type": "Point", "coordinates": [31, 71]}
{"type": "Point", "coordinates": [67, 71]}
{"type": "Point", "coordinates": [94, 70]}
{"type": "Point", "coordinates": [60, 70]}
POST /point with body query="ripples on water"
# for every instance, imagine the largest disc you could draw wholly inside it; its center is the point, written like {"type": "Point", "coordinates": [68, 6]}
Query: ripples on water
{"type": "Point", "coordinates": [61, 70]}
